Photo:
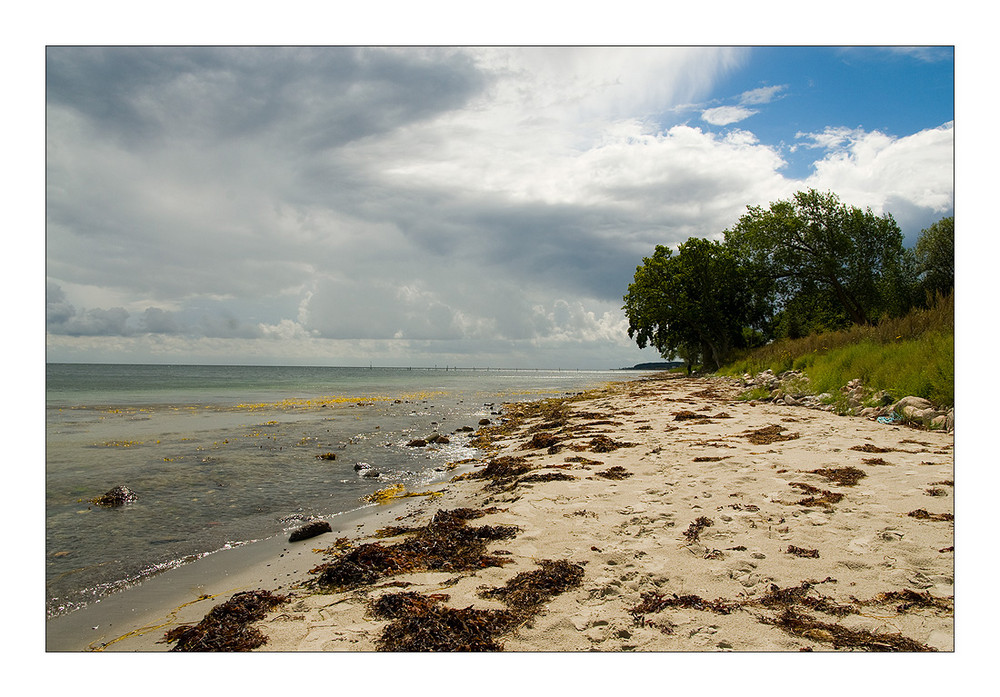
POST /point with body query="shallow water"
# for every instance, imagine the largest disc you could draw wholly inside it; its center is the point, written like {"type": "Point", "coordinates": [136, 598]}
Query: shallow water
{"type": "Point", "coordinates": [222, 455]}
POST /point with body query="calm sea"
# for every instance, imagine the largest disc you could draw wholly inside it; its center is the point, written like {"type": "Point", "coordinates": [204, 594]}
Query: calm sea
{"type": "Point", "coordinates": [223, 455]}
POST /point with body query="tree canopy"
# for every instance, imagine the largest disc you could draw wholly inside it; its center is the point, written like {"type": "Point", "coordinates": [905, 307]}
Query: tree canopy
{"type": "Point", "coordinates": [699, 305]}
{"type": "Point", "coordinates": [800, 266]}
{"type": "Point", "coordinates": [814, 244]}
{"type": "Point", "coordinates": [935, 257]}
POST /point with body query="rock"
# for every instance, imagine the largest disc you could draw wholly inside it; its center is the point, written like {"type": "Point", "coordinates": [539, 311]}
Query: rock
{"type": "Point", "coordinates": [417, 443]}
{"type": "Point", "coordinates": [361, 466]}
{"type": "Point", "coordinates": [791, 401]}
{"type": "Point", "coordinates": [326, 456]}
{"type": "Point", "coordinates": [118, 496]}
{"type": "Point", "coordinates": [912, 402]}
{"type": "Point", "coordinates": [439, 439]}
{"type": "Point", "coordinates": [371, 474]}
{"type": "Point", "coordinates": [317, 527]}
{"type": "Point", "coordinates": [939, 422]}
{"type": "Point", "coordinates": [484, 422]}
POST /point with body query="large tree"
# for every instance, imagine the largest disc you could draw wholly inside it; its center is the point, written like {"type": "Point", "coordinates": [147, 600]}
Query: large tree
{"type": "Point", "coordinates": [699, 304]}
{"type": "Point", "coordinates": [935, 255]}
{"type": "Point", "coordinates": [814, 244]}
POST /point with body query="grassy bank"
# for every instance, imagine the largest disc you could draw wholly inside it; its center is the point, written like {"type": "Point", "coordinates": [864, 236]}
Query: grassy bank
{"type": "Point", "coordinates": [910, 355]}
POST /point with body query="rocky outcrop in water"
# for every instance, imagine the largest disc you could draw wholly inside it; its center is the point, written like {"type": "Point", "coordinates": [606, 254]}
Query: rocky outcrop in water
{"type": "Point", "coordinates": [118, 496]}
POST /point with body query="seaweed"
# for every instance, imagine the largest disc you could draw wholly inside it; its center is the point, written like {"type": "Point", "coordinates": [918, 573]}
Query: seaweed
{"type": "Point", "coordinates": [694, 530]}
{"type": "Point", "coordinates": [875, 461]}
{"type": "Point", "coordinates": [844, 476]}
{"type": "Point", "coordinates": [685, 415]}
{"type": "Point", "coordinates": [869, 448]}
{"type": "Point", "coordinates": [802, 552]}
{"type": "Point", "coordinates": [504, 468]}
{"type": "Point", "coordinates": [583, 460]}
{"type": "Point", "coordinates": [227, 627]}
{"type": "Point", "coordinates": [439, 628]}
{"type": "Point", "coordinates": [616, 472]}
{"type": "Point", "coordinates": [422, 623]}
{"type": "Point", "coordinates": [541, 440]}
{"type": "Point", "coordinates": [922, 514]}
{"type": "Point", "coordinates": [790, 606]}
{"type": "Point", "coordinates": [446, 543]}
{"type": "Point", "coordinates": [825, 498]}
{"type": "Point", "coordinates": [604, 444]}
{"type": "Point", "coordinates": [707, 458]}
{"type": "Point", "coordinates": [529, 590]}
{"type": "Point", "coordinates": [546, 477]}
{"type": "Point", "coordinates": [768, 434]}
{"type": "Point", "coordinates": [841, 637]}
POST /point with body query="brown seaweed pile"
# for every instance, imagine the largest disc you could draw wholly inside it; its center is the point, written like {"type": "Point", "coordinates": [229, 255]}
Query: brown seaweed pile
{"type": "Point", "coordinates": [422, 623]}
{"type": "Point", "coordinates": [791, 607]}
{"type": "Point", "coordinates": [802, 552]}
{"type": "Point", "coordinates": [446, 543]}
{"type": "Point", "coordinates": [921, 514]}
{"type": "Point", "coordinates": [228, 627]}
{"type": "Point", "coordinates": [769, 434]}
{"type": "Point", "coordinates": [844, 476]}
{"type": "Point", "coordinates": [825, 498]}
{"type": "Point", "coordinates": [694, 530]}
{"type": "Point", "coordinates": [604, 444]}
{"type": "Point", "coordinates": [616, 472]}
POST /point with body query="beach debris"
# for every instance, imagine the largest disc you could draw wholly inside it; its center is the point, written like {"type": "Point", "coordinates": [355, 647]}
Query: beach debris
{"type": "Point", "coordinates": [445, 543]}
{"type": "Point", "coordinates": [117, 496]}
{"type": "Point", "coordinates": [922, 514]}
{"type": "Point", "coordinates": [616, 472]}
{"type": "Point", "coordinates": [694, 530]}
{"type": "Point", "coordinates": [529, 590]}
{"type": "Point", "coordinates": [801, 552]}
{"type": "Point", "coordinates": [869, 448]}
{"type": "Point", "coordinates": [504, 468]}
{"type": "Point", "coordinates": [604, 444]}
{"type": "Point", "coordinates": [791, 607]}
{"type": "Point", "coordinates": [316, 527]}
{"type": "Point", "coordinates": [384, 495]}
{"type": "Point", "coordinates": [546, 477]}
{"type": "Point", "coordinates": [227, 627]}
{"type": "Point", "coordinates": [874, 461]}
{"type": "Point", "coordinates": [844, 476]}
{"type": "Point", "coordinates": [824, 500]}
{"type": "Point", "coordinates": [327, 456]}
{"type": "Point", "coordinates": [423, 623]}
{"type": "Point", "coordinates": [769, 434]}
{"type": "Point", "coordinates": [685, 415]}
{"type": "Point", "coordinates": [541, 440]}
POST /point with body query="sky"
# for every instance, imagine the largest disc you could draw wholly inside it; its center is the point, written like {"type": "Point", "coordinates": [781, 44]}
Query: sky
{"type": "Point", "coordinates": [463, 206]}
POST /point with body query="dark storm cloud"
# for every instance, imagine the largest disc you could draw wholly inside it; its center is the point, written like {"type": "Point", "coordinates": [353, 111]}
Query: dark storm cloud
{"type": "Point", "coordinates": [318, 97]}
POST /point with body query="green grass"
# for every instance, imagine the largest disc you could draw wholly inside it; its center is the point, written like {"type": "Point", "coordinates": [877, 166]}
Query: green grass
{"type": "Point", "coordinates": [911, 355]}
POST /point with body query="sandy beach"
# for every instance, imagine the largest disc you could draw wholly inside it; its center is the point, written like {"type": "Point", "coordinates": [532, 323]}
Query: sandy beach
{"type": "Point", "coordinates": [682, 518]}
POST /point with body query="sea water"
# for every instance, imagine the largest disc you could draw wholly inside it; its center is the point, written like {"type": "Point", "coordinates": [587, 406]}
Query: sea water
{"type": "Point", "coordinates": [220, 456]}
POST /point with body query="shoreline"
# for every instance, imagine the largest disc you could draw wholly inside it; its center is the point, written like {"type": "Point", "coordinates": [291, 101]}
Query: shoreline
{"type": "Point", "coordinates": [706, 534]}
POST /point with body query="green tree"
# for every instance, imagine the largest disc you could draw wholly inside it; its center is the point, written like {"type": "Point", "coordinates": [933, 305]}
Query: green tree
{"type": "Point", "coordinates": [699, 304]}
{"type": "Point", "coordinates": [935, 257]}
{"type": "Point", "coordinates": [814, 245]}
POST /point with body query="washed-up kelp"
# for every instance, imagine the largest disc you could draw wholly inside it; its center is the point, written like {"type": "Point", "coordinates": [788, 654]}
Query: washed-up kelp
{"type": "Point", "coordinates": [791, 607]}
{"type": "Point", "coordinates": [869, 448]}
{"type": "Point", "coordinates": [694, 530]}
{"type": "Point", "coordinates": [802, 552]}
{"type": "Point", "coordinates": [616, 472]}
{"type": "Point", "coordinates": [228, 627]}
{"type": "Point", "coordinates": [769, 434]}
{"type": "Point", "coordinates": [825, 498]}
{"type": "Point", "coordinates": [546, 477]}
{"type": "Point", "coordinates": [844, 476]}
{"type": "Point", "coordinates": [529, 590]}
{"type": "Point", "coordinates": [422, 623]}
{"type": "Point", "coordinates": [604, 444]}
{"type": "Point", "coordinates": [504, 468]}
{"type": "Point", "coordinates": [921, 514]}
{"type": "Point", "coordinates": [446, 543]}
{"type": "Point", "coordinates": [424, 626]}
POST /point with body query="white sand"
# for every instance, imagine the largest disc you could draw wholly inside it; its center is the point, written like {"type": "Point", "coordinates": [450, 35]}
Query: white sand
{"type": "Point", "coordinates": [629, 535]}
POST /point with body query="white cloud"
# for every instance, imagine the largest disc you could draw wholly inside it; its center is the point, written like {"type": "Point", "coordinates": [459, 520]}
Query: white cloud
{"type": "Point", "coordinates": [871, 168]}
{"type": "Point", "coordinates": [762, 95]}
{"type": "Point", "coordinates": [725, 115]}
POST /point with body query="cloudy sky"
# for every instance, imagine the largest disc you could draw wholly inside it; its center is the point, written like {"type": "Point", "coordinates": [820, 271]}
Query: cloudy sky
{"type": "Point", "coordinates": [442, 206]}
